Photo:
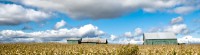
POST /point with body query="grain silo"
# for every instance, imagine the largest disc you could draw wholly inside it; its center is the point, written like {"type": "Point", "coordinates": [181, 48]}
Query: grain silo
{"type": "Point", "coordinates": [73, 40]}
{"type": "Point", "coordinates": [93, 41]}
{"type": "Point", "coordinates": [159, 38]}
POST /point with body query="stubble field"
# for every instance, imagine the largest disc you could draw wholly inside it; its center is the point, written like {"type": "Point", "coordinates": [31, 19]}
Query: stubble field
{"type": "Point", "coordinates": [99, 49]}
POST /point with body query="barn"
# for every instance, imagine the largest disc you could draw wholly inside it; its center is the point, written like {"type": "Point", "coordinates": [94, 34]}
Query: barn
{"type": "Point", "coordinates": [73, 40]}
{"type": "Point", "coordinates": [159, 38]}
{"type": "Point", "coordinates": [93, 41]}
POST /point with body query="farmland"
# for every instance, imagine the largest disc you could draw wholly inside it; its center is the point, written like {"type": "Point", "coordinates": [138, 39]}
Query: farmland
{"type": "Point", "coordinates": [92, 49]}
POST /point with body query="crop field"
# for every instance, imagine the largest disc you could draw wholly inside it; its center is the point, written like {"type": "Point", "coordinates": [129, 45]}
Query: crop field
{"type": "Point", "coordinates": [99, 49]}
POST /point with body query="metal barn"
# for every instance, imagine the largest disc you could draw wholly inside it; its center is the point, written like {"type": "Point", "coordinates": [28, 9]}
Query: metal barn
{"type": "Point", "coordinates": [73, 40]}
{"type": "Point", "coordinates": [159, 38]}
{"type": "Point", "coordinates": [93, 41]}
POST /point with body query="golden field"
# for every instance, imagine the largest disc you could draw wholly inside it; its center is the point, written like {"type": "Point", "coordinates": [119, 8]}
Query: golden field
{"type": "Point", "coordinates": [99, 49]}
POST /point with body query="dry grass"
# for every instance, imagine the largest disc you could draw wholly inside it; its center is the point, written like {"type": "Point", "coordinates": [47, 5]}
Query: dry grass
{"type": "Point", "coordinates": [65, 49]}
{"type": "Point", "coordinates": [79, 49]}
{"type": "Point", "coordinates": [169, 50]}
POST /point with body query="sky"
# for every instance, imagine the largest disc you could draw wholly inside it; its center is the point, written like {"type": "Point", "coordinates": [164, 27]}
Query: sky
{"type": "Point", "coordinates": [119, 21]}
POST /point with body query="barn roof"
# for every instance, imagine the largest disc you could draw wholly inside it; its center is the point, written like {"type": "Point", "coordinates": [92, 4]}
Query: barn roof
{"type": "Point", "coordinates": [97, 40]}
{"type": "Point", "coordinates": [73, 38]}
{"type": "Point", "coordinates": [159, 36]}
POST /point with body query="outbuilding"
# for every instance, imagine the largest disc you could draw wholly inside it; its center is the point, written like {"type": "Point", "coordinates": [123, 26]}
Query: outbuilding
{"type": "Point", "coordinates": [73, 40]}
{"type": "Point", "coordinates": [159, 38]}
{"type": "Point", "coordinates": [93, 41]}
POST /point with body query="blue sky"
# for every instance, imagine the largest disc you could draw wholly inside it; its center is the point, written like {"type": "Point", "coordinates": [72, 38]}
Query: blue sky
{"type": "Point", "coordinates": [118, 21]}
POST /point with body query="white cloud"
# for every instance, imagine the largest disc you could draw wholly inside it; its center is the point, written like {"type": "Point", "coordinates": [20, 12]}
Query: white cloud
{"type": "Point", "coordinates": [25, 40]}
{"type": "Point", "coordinates": [138, 32]}
{"type": "Point", "coordinates": [12, 14]}
{"type": "Point", "coordinates": [84, 9]}
{"type": "Point", "coordinates": [87, 30]}
{"type": "Point", "coordinates": [128, 34]}
{"type": "Point", "coordinates": [155, 29]}
{"type": "Point", "coordinates": [113, 37]}
{"type": "Point", "coordinates": [10, 36]}
{"type": "Point", "coordinates": [60, 24]}
{"type": "Point", "coordinates": [125, 41]}
{"type": "Point", "coordinates": [155, 5]}
{"type": "Point", "coordinates": [11, 33]}
{"type": "Point", "coordinates": [177, 20]}
{"type": "Point", "coordinates": [38, 40]}
{"type": "Point", "coordinates": [178, 28]}
{"type": "Point", "coordinates": [184, 10]}
{"type": "Point", "coordinates": [135, 42]}
{"type": "Point", "coordinates": [133, 37]}
{"type": "Point", "coordinates": [130, 41]}
{"type": "Point", "coordinates": [189, 40]}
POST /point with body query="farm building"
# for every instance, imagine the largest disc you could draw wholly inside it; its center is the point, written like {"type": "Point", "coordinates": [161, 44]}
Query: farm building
{"type": "Point", "coordinates": [159, 38]}
{"type": "Point", "coordinates": [74, 40]}
{"type": "Point", "coordinates": [93, 41]}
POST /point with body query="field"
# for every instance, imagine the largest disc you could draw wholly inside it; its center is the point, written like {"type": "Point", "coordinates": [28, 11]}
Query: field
{"type": "Point", "coordinates": [102, 49]}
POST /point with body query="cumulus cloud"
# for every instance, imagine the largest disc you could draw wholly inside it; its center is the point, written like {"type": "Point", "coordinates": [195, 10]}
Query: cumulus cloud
{"type": "Point", "coordinates": [155, 5]}
{"type": "Point", "coordinates": [184, 9]}
{"type": "Point", "coordinates": [87, 30]}
{"type": "Point", "coordinates": [12, 14]}
{"type": "Point", "coordinates": [60, 35]}
{"type": "Point", "coordinates": [11, 33]}
{"type": "Point", "coordinates": [136, 42]}
{"type": "Point", "coordinates": [84, 9]}
{"type": "Point", "coordinates": [178, 29]}
{"type": "Point", "coordinates": [128, 34]}
{"type": "Point", "coordinates": [189, 40]}
{"type": "Point", "coordinates": [113, 37]}
{"type": "Point", "coordinates": [178, 26]}
{"type": "Point", "coordinates": [38, 40]}
{"type": "Point", "coordinates": [137, 32]}
{"type": "Point", "coordinates": [155, 29]}
{"type": "Point", "coordinates": [60, 24]}
{"type": "Point", "coordinates": [25, 40]}
{"type": "Point", "coordinates": [177, 20]}
{"type": "Point", "coordinates": [131, 37]}
{"type": "Point", "coordinates": [130, 41]}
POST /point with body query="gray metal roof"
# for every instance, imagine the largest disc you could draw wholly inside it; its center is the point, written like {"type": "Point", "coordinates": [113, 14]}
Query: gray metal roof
{"type": "Point", "coordinates": [97, 40]}
{"type": "Point", "coordinates": [73, 38]}
{"type": "Point", "coordinates": [159, 35]}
